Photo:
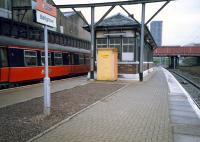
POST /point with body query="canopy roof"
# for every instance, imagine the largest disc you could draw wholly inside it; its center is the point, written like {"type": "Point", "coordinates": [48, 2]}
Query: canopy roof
{"type": "Point", "coordinates": [125, 2]}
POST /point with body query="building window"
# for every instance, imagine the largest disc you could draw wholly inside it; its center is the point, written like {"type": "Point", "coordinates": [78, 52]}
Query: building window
{"type": "Point", "coordinates": [115, 42]}
{"type": "Point", "coordinates": [58, 60]}
{"type": "Point", "coordinates": [6, 4]}
{"type": "Point", "coordinates": [4, 58]}
{"type": "Point", "coordinates": [43, 58]}
{"type": "Point", "coordinates": [128, 44]}
{"type": "Point", "coordinates": [30, 58]}
{"type": "Point", "coordinates": [101, 43]}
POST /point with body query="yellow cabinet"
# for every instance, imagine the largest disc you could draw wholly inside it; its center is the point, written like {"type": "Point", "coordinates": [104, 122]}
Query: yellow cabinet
{"type": "Point", "coordinates": [107, 64]}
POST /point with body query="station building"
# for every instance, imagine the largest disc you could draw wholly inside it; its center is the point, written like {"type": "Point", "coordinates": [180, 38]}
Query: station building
{"type": "Point", "coordinates": [123, 33]}
{"type": "Point", "coordinates": [67, 23]}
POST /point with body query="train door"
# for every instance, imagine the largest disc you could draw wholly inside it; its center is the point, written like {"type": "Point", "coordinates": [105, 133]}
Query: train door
{"type": "Point", "coordinates": [4, 70]}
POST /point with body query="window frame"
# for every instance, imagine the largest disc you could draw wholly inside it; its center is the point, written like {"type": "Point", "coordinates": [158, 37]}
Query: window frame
{"type": "Point", "coordinates": [101, 45]}
{"type": "Point", "coordinates": [128, 44]}
{"type": "Point", "coordinates": [58, 58]}
{"type": "Point", "coordinates": [49, 57]}
{"type": "Point", "coordinates": [81, 59]}
{"type": "Point", "coordinates": [25, 56]}
{"type": "Point", "coordinates": [114, 46]}
{"type": "Point", "coordinates": [4, 51]}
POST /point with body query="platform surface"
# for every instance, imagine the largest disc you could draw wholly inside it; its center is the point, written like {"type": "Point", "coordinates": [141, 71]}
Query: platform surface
{"type": "Point", "coordinates": [25, 93]}
{"type": "Point", "coordinates": [137, 113]}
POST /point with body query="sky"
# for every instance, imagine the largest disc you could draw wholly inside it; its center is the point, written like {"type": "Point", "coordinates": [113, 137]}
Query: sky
{"type": "Point", "coordinates": [181, 18]}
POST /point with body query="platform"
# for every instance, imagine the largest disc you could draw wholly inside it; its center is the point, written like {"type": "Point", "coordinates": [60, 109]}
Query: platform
{"type": "Point", "coordinates": [140, 112]}
{"type": "Point", "coordinates": [25, 93]}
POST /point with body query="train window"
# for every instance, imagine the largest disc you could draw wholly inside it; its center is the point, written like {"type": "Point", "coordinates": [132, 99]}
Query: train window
{"type": "Point", "coordinates": [43, 58]}
{"type": "Point", "coordinates": [58, 60]}
{"type": "Point", "coordinates": [4, 57]}
{"type": "Point", "coordinates": [76, 59]}
{"type": "Point", "coordinates": [87, 60]}
{"type": "Point", "coordinates": [81, 59]}
{"type": "Point", "coordinates": [30, 58]}
{"type": "Point", "coordinates": [66, 58]}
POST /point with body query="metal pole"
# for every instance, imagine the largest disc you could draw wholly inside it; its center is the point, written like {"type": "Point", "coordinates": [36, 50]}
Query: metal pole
{"type": "Point", "coordinates": [142, 43]}
{"type": "Point", "coordinates": [92, 45]}
{"type": "Point", "coordinates": [157, 12]}
{"type": "Point", "coordinates": [12, 4]}
{"type": "Point", "coordinates": [174, 63]}
{"type": "Point", "coordinates": [47, 95]}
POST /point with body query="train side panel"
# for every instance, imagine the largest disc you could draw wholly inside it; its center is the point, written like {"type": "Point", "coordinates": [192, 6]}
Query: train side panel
{"type": "Point", "coordinates": [19, 74]}
{"type": "Point", "coordinates": [56, 71]}
{"type": "Point", "coordinates": [4, 75]}
{"type": "Point", "coordinates": [77, 69]}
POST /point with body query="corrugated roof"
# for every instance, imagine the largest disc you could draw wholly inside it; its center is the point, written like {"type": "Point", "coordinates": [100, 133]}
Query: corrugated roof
{"type": "Point", "coordinates": [118, 20]}
{"type": "Point", "coordinates": [68, 14]}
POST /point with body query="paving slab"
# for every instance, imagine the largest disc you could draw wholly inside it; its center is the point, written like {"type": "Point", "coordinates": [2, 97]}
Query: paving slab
{"type": "Point", "coordinates": [190, 114]}
{"type": "Point", "coordinates": [181, 107]}
{"type": "Point", "coordinates": [193, 130]}
{"type": "Point", "coordinates": [137, 113]}
{"type": "Point", "coordinates": [186, 138]}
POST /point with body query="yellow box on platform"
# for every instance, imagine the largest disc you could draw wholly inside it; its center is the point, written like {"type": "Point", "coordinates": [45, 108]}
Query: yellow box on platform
{"type": "Point", "coordinates": [107, 64]}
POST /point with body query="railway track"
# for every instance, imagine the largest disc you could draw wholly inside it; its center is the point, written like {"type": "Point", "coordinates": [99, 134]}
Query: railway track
{"type": "Point", "coordinates": [192, 87]}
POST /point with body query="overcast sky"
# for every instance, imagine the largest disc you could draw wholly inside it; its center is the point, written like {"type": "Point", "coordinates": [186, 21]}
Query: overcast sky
{"type": "Point", "coordinates": [181, 18]}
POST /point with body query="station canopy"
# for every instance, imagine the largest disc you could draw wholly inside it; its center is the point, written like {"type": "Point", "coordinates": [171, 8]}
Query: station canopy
{"type": "Point", "coordinates": [115, 3]}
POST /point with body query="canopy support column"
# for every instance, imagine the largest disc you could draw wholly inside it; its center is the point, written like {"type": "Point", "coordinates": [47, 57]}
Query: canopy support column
{"type": "Point", "coordinates": [92, 44]}
{"type": "Point", "coordinates": [142, 43]}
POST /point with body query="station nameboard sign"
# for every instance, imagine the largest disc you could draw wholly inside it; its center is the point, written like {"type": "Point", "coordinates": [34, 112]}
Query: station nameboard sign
{"type": "Point", "coordinates": [44, 13]}
{"type": "Point", "coordinates": [45, 19]}
{"type": "Point", "coordinates": [46, 8]}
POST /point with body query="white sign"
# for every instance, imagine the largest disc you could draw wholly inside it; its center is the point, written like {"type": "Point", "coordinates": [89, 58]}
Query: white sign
{"type": "Point", "coordinates": [127, 56]}
{"type": "Point", "coordinates": [45, 19]}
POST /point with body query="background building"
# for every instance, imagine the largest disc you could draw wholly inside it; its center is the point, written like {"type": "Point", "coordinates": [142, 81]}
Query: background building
{"type": "Point", "coordinates": [123, 33]}
{"type": "Point", "coordinates": [156, 31]}
{"type": "Point", "coordinates": [69, 24]}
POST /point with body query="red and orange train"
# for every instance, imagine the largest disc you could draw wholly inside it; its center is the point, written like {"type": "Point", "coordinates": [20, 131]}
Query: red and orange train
{"type": "Point", "coordinates": [24, 64]}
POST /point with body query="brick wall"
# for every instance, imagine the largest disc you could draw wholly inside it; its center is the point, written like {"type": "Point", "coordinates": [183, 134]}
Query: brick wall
{"type": "Point", "coordinates": [133, 68]}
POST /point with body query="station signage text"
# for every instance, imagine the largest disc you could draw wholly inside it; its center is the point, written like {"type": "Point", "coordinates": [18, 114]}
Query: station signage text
{"type": "Point", "coordinates": [44, 13]}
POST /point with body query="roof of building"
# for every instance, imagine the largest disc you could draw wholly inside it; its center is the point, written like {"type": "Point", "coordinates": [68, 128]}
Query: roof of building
{"type": "Point", "coordinates": [118, 20]}
{"type": "Point", "coordinates": [73, 13]}
{"type": "Point", "coordinates": [68, 14]}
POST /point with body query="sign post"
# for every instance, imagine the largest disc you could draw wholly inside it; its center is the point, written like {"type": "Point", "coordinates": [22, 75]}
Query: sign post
{"type": "Point", "coordinates": [47, 93]}
{"type": "Point", "coordinates": [45, 14]}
